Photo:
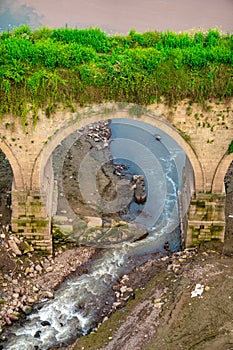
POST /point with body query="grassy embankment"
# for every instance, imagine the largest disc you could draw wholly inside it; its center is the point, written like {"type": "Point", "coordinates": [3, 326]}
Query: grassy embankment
{"type": "Point", "coordinates": [45, 67]}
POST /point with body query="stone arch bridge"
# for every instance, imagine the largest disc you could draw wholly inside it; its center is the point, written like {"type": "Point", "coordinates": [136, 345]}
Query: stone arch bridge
{"type": "Point", "coordinates": [204, 135]}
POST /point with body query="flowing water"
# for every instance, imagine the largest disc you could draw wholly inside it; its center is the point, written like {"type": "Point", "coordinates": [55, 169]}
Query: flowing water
{"type": "Point", "coordinates": [77, 306]}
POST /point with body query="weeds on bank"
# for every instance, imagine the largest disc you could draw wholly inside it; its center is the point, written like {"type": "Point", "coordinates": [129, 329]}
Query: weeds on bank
{"type": "Point", "coordinates": [41, 68]}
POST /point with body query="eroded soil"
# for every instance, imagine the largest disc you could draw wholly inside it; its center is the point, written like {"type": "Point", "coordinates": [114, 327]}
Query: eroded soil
{"type": "Point", "coordinates": [163, 314]}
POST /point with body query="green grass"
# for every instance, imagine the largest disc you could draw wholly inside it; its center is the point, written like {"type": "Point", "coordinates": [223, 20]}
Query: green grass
{"type": "Point", "coordinates": [41, 68]}
{"type": "Point", "coordinates": [230, 148]}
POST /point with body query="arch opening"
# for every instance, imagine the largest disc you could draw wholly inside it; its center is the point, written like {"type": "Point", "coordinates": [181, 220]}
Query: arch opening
{"type": "Point", "coordinates": [132, 148]}
{"type": "Point", "coordinates": [6, 183]}
{"type": "Point", "coordinates": [228, 182]}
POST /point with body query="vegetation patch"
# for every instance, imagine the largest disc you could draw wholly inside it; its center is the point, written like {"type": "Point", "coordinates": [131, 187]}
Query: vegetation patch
{"type": "Point", "coordinates": [45, 67]}
{"type": "Point", "coordinates": [230, 148]}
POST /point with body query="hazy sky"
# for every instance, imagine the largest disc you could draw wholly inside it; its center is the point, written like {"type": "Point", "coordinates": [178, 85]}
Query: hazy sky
{"type": "Point", "coordinates": [119, 15]}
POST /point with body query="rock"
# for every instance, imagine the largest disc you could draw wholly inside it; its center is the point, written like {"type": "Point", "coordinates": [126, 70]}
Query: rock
{"type": "Point", "coordinates": [31, 300]}
{"type": "Point", "coordinates": [38, 268]}
{"type": "Point", "coordinates": [14, 316]}
{"type": "Point", "coordinates": [31, 269]}
{"type": "Point", "coordinates": [157, 300]}
{"type": "Point", "coordinates": [8, 321]}
{"type": "Point", "coordinates": [16, 239]}
{"type": "Point", "coordinates": [15, 295]}
{"type": "Point", "coordinates": [37, 334]}
{"type": "Point", "coordinates": [158, 305]}
{"type": "Point", "coordinates": [14, 303]}
{"type": "Point", "coordinates": [14, 247]}
{"type": "Point", "coordinates": [49, 269]}
{"type": "Point", "coordinates": [123, 289]}
{"type": "Point", "coordinates": [45, 323]}
{"type": "Point", "coordinates": [116, 304]}
{"type": "Point", "coordinates": [93, 221]}
{"type": "Point", "coordinates": [26, 309]}
{"type": "Point", "coordinates": [139, 189]}
{"type": "Point", "coordinates": [9, 311]}
{"type": "Point", "coordinates": [48, 294]}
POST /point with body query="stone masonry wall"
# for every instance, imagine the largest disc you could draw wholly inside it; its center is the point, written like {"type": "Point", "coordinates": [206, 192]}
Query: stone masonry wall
{"type": "Point", "coordinates": [208, 132]}
{"type": "Point", "coordinates": [206, 220]}
{"type": "Point", "coordinates": [31, 220]}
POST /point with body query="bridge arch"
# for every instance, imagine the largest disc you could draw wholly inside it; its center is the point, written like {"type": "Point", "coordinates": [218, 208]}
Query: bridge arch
{"type": "Point", "coordinates": [221, 170]}
{"type": "Point", "coordinates": [18, 181]}
{"type": "Point", "coordinates": [101, 113]}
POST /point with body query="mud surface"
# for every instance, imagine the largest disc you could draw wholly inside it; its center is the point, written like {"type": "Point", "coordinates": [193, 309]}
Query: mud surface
{"type": "Point", "coordinates": [98, 191]}
{"type": "Point", "coordinates": [164, 315]}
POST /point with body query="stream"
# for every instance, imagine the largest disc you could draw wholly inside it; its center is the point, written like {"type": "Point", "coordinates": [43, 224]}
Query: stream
{"type": "Point", "coordinates": [78, 304]}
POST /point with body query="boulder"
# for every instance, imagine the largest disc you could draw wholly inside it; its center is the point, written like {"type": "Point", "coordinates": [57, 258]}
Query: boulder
{"type": "Point", "coordinates": [139, 189]}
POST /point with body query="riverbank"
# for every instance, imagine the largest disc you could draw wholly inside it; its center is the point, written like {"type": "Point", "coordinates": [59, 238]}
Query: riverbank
{"type": "Point", "coordinates": [156, 306]}
{"type": "Point", "coordinates": [180, 302]}
{"type": "Point", "coordinates": [29, 278]}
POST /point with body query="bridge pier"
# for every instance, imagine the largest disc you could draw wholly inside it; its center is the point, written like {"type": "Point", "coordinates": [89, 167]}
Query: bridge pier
{"type": "Point", "coordinates": [30, 220]}
{"type": "Point", "coordinates": [206, 219]}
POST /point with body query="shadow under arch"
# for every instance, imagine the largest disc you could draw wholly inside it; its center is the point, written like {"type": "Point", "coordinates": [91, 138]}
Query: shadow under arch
{"type": "Point", "coordinates": [228, 238]}
{"type": "Point", "coordinates": [88, 116]}
{"type": "Point", "coordinates": [6, 181]}
{"type": "Point", "coordinates": [18, 181]}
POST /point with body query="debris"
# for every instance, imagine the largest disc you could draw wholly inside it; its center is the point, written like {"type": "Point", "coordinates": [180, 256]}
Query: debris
{"type": "Point", "coordinates": [14, 247]}
{"type": "Point", "coordinates": [197, 291]}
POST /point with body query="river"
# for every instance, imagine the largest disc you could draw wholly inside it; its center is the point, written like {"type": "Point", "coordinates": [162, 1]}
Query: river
{"type": "Point", "coordinates": [77, 305]}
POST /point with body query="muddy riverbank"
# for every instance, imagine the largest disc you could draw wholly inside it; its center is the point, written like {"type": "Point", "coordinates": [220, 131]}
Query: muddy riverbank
{"type": "Point", "coordinates": [28, 278]}
{"type": "Point", "coordinates": [165, 313]}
